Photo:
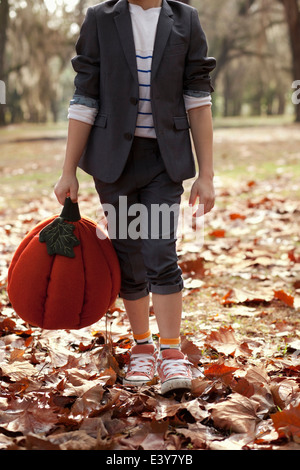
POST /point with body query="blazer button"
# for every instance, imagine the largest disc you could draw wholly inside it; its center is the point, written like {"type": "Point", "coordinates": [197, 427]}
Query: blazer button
{"type": "Point", "coordinates": [134, 100]}
{"type": "Point", "coordinates": [128, 136]}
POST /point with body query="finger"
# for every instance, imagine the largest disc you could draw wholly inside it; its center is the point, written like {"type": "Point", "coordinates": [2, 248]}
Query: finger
{"type": "Point", "coordinates": [200, 211]}
{"type": "Point", "coordinates": [73, 194]}
{"type": "Point", "coordinates": [62, 199]}
{"type": "Point", "coordinates": [209, 205]}
{"type": "Point", "coordinates": [60, 196]}
{"type": "Point", "coordinates": [193, 196]}
{"type": "Point", "coordinates": [57, 194]}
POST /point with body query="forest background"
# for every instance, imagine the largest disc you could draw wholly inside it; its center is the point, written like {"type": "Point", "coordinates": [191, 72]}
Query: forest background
{"type": "Point", "coordinates": [241, 325]}
{"type": "Point", "coordinates": [256, 44]}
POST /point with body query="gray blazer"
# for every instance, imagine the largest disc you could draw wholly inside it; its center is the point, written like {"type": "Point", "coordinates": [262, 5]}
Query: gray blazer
{"type": "Point", "coordinates": [106, 71]}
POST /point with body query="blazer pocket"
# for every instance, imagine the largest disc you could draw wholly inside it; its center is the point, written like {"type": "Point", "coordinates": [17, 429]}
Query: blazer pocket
{"type": "Point", "coordinates": [181, 123]}
{"type": "Point", "coordinates": [101, 120]}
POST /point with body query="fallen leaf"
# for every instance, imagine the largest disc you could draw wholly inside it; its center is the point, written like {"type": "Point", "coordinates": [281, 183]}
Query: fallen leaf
{"type": "Point", "coordinates": [192, 264]}
{"type": "Point", "coordinates": [255, 385]}
{"type": "Point", "coordinates": [76, 440]}
{"type": "Point", "coordinates": [217, 371]}
{"type": "Point", "coordinates": [224, 341]}
{"type": "Point", "coordinates": [241, 296]}
{"type": "Point", "coordinates": [192, 351]}
{"type": "Point", "coordinates": [237, 414]}
{"type": "Point", "coordinates": [89, 402]}
{"type": "Point", "coordinates": [217, 233]}
{"type": "Point", "coordinates": [199, 435]}
{"type": "Point", "coordinates": [28, 415]}
{"type": "Point", "coordinates": [284, 392]}
{"type": "Point", "coordinates": [287, 423]}
{"type": "Point", "coordinates": [284, 297]}
{"type": "Point", "coordinates": [235, 216]}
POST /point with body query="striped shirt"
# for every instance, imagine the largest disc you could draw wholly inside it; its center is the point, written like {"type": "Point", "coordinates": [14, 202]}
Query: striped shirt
{"type": "Point", "coordinates": [144, 25]}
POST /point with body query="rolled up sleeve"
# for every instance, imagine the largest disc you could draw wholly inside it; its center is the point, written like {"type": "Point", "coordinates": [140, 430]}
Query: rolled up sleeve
{"type": "Point", "coordinates": [192, 102]}
{"type": "Point", "coordinates": [198, 66]}
{"type": "Point", "coordinates": [87, 61]}
{"type": "Point", "coordinates": [82, 113]}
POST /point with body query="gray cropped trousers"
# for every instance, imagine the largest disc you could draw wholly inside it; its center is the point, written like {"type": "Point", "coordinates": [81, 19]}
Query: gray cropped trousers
{"type": "Point", "coordinates": [142, 209]}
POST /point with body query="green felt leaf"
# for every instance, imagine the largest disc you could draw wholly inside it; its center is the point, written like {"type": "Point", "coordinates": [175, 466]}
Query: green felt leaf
{"type": "Point", "coordinates": [59, 238]}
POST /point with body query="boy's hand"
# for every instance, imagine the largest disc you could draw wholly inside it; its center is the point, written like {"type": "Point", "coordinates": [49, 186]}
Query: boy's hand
{"type": "Point", "coordinates": [203, 189]}
{"type": "Point", "coordinates": [66, 186]}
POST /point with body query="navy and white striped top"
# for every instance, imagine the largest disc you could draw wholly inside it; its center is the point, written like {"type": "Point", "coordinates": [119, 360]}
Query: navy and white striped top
{"type": "Point", "coordinates": [144, 25]}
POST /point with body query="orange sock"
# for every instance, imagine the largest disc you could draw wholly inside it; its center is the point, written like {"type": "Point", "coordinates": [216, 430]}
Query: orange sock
{"type": "Point", "coordinates": [166, 343]}
{"type": "Point", "coordinates": [145, 338]}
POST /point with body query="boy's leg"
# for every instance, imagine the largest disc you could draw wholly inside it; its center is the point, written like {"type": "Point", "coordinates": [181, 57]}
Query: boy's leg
{"type": "Point", "coordinates": [135, 295]}
{"type": "Point", "coordinates": [162, 198]}
{"type": "Point", "coordinates": [138, 314]}
{"type": "Point", "coordinates": [142, 166]}
{"type": "Point", "coordinates": [168, 312]}
{"type": "Point", "coordinates": [150, 261]}
{"type": "Point", "coordinates": [165, 281]}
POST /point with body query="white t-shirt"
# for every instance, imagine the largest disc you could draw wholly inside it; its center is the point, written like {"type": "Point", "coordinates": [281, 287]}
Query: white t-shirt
{"type": "Point", "coordinates": [144, 25]}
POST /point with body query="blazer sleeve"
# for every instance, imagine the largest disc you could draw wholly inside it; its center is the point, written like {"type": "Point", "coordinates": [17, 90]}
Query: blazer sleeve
{"type": "Point", "coordinates": [198, 66]}
{"type": "Point", "coordinates": [87, 61]}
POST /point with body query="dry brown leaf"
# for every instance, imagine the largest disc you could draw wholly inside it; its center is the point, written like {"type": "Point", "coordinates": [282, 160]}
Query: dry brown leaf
{"type": "Point", "coordinates": [224, 341]}
{"type": "Point", "coordinates": [89, 402]}
{"type": "Point", "coordinates": [255, 385]}
{"type": "Point", "coordinates": [284, 392]}
{"type": "Point", "coordinates": [27, 416]}
{"type": "Point", "coordinates": [74, 440]}
{"type": "Point", "coordinates": [236, 414]}
{"type": "Point", "coordinates": [199, 435]}
{"type": "Point", "coordinates": [287, 422]}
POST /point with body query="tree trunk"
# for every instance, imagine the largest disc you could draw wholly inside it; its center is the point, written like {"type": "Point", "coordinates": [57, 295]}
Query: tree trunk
{"type": "Point", "coordinates": [292, 12]}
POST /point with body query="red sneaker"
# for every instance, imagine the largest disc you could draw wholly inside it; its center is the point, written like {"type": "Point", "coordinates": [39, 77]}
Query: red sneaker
{"type": "Point", "coordinates": [142, 365]}
{"type": "Point", "coordinates": [174, 371]}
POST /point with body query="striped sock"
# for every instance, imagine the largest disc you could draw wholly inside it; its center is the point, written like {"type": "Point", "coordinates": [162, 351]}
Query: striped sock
{"type": "Point", "coordinates": [145, 338]}
{"type": "Point", "coordinates": [169, 343]}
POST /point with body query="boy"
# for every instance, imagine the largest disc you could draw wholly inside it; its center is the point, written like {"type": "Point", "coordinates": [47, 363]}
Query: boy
{"type": "Point", "coordinates": [141, 66]}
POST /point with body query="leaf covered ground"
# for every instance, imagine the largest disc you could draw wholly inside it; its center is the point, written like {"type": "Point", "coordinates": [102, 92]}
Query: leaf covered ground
{"type": "Point", "coordinates": [241, 328]}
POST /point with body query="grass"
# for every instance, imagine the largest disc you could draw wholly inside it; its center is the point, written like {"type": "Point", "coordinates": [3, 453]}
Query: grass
{"type": "Point", "coordinates": [258, 148]}
{"type": "Point", "coordinates": [252, 121]}
{"type": "Point", "coordinates": [31, 161]}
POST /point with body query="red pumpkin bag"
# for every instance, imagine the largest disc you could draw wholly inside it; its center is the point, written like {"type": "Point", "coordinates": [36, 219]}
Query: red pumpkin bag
{"type": "Point", "coordinates": [63, 275]}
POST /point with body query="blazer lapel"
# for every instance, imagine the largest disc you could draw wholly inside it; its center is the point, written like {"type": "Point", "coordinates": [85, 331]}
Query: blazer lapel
{"type": "Point", "coordinates": [124, 27]}
{"type": "Point", "coordinates": [164, 27]}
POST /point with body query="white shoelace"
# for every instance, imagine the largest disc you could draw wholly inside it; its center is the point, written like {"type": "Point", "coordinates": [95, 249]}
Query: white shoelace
{"type": "Point", "coordinates": [175, 366]}
{"type": "Point", "coordinates": [141, 363]}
